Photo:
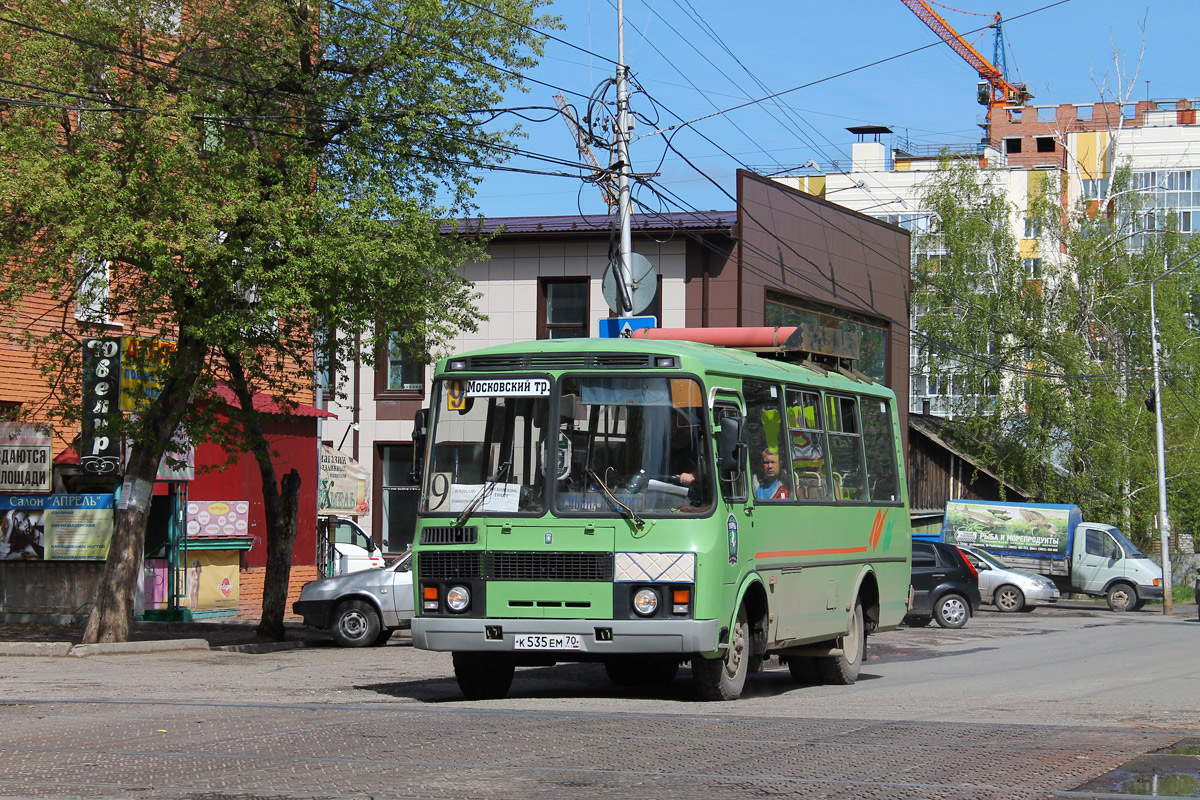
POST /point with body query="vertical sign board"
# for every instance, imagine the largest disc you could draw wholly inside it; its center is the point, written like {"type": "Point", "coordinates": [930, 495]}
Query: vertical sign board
{"type": "Point", "coordinates": [25, 454]}
{"type": "Point", "coordinates": [341, 485]}
{"type": "Point", "coordinates": [100, 449]}
{"type": "Point", "coordinates": [144, 363]}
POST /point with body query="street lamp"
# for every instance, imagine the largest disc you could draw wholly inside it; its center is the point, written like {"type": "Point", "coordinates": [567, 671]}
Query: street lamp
{"type": "Point", "coordinates": [1164, 525]}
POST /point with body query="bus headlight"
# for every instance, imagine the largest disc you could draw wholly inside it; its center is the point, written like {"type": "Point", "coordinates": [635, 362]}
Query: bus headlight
{"type": "Point", "coordinates": [458, 598]}
{"type": "Point", "coordinates": [645, 602]}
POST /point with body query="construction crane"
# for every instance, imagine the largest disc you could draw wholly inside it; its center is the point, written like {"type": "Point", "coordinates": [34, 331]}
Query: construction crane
{"type": "Point", "coordinates": [995, 91]}
{"type": "Point", "coordinates": [602, 177]}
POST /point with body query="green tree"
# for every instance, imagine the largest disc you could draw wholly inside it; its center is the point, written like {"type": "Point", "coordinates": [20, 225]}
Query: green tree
{"type": "Point", "coordinates": [260, 175]}
{"type": "Point", "coordinates": [1050, 366]}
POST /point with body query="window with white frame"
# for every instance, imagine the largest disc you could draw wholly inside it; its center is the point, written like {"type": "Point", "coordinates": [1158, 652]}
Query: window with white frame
{"type": "Point", "coordinates": [91, 290]}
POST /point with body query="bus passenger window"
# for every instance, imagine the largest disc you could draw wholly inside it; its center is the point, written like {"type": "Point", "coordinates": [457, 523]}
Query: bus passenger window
{"type": "Point", "coordinates": [767, 439]}
{"type": "Point", "coordinates": [880, 445]}
{"type": "Point", "coordinates": [809, 464]}
{"type": "Point", "coordinates": [845, 448]}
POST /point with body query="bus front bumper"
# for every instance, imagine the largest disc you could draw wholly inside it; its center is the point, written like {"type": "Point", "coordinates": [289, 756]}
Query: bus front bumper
{"type": "Point", "coordinates": [592, 636]}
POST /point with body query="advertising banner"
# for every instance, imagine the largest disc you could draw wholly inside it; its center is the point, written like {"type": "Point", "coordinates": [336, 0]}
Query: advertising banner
{"type": "Point", "coordinates": [219, 519]}
{"type": "Point", "coordinates": [342, 485]}
{"type": "Point", "coordinates": [25, 459]}
{"type": "Point", "coordinates": [143, 363]}
{"type": "Point", "coordinates": [212, 580]}
{"type": "Point", "coordinates": [60, 527]}
{"type": "Point", "coordinates": [1008, 527]}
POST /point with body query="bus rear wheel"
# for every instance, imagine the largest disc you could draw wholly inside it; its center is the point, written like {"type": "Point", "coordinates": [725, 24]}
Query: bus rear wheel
{"type": "Point", "coordinates": [842, 670]}
{"type": "Point", "coordinates": [724, 678]}
{"type": "Point", "coordinates": [483, 676]}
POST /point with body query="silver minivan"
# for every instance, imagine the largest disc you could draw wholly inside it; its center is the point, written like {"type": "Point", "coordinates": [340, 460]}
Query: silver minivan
{"type": "Point", "coordinates": [1009, 589]}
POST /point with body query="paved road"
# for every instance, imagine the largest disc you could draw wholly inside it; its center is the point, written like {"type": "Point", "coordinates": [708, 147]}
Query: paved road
{"type": "Point", "coordinates": [1022, 706]}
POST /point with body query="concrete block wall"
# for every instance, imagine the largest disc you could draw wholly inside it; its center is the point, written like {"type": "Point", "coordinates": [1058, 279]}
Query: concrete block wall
{"type": "Point", "coordinates": [48, 589]}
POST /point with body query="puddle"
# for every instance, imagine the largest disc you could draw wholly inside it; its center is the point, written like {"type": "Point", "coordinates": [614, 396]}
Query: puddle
{"type": "Point", "coordinates": [1175, 785]}
{"type": "Point", "coordinates": [1171, 772]}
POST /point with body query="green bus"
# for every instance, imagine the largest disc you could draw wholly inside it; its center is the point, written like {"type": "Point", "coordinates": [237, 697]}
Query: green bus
{"type": "Point", "coordinates": [646, 504]}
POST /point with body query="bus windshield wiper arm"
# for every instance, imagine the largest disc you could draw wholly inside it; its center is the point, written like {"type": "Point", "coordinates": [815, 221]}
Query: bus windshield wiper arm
{"type": "Point", "coordinates": [482, 493]}
{"type": "Point", "coordinates": [633, 515]}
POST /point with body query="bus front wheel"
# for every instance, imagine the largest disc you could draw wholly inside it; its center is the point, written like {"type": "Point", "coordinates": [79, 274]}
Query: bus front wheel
{"type": "Point", "coordinates": [724, 678]}
{"type": "Point", "coordinates": [483, 676]}
{"type": "Point", "coordinates": [842, 670]}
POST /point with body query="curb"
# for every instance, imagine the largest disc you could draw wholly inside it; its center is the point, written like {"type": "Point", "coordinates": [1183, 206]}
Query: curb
{"type": "Point", "coordinates": [154, 646]}
{"type": "Point", "coordinates": [266, 647]}
{"type": "Point", "coordinates": [35, 648]}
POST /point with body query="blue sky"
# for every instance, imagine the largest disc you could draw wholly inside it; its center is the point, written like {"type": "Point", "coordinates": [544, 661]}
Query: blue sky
{"type": "Point", "coordinates": [696, 57]}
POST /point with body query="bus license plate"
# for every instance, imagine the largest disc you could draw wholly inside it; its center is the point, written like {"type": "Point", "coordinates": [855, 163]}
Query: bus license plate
{"type": "Point", "coordinates": [547, 641]}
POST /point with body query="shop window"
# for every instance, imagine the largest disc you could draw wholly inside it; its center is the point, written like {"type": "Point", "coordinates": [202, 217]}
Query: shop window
{"type": "Point", "coordinates": [563, 308]}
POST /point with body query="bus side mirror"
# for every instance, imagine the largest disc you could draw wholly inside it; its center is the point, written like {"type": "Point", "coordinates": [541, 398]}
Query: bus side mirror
{"type": "Point", "coordinates": [419, 434]}
{"type": "Point", "coordinates": [729, 444]}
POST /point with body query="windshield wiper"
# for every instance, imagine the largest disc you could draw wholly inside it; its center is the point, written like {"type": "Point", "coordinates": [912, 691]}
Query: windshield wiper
{"type": "Point", "coordinates": [482, 493]}
{"type": "Point", "coordinates": [633, 515]}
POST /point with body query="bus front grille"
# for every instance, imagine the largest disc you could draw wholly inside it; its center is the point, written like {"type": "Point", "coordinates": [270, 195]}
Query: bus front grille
{"type": "Point", "coordinates": [450, 534]}
{"type": "Point", "coordinates": [534, 566]}
{"type": "Point", "coordinates": [449, 566]}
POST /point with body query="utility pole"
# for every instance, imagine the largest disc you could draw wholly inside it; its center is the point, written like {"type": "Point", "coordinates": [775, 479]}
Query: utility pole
{"type": "Point", "coordinates": [1164, 524]}
{"type": "Point", "coordinates": [625, 254]}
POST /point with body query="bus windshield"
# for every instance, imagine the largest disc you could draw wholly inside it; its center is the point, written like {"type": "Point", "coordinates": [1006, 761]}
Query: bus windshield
{"type": "Point", "coordinates": [630, 444]}
{"type": "Point", "coordinates": [486, 450]}
{"type": "Point", "coordinates": [623, 446]}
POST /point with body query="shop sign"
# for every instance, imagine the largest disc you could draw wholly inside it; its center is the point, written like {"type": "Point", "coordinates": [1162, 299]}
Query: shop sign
{"type": "Point", "coordinates": [342, 484]}
{"type": "Point", "coordinates": [55, 527]}
{"type": "Point", "coordinates": [100, 449]}
{"type": "Point", "coordinates": [25, 459]}
{"type": "Point", "coordinates": [144, 362]}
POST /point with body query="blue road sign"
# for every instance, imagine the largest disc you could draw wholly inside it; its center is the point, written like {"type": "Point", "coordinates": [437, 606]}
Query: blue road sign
{"type": "Point", "coordinates": [616, 327]}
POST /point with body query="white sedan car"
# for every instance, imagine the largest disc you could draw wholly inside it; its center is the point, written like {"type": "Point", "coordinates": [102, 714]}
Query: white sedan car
{"type": "Point", "coordinates": [1009, 589]}
{"type": "Point", "coordinates": [360, 608]}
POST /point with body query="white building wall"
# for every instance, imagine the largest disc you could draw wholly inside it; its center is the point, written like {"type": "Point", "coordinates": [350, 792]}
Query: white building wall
{"type": "Point", "coordinates": [508, 287]}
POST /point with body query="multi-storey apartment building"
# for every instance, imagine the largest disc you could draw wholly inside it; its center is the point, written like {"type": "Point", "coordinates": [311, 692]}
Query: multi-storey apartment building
{"type": "Point", "coordinates": [1085, 144]}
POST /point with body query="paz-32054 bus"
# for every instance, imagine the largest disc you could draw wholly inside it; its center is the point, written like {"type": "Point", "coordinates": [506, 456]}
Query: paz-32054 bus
{"type": "Point", "coordinates": [647, 504]}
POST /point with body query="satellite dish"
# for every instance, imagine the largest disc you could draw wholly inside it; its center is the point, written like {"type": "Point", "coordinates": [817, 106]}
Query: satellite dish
{"type": "Point", "coordinates": [641, 293]}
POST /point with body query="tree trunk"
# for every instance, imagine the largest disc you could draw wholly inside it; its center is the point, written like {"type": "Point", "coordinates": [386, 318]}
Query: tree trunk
{"type": "Point", "coordinates": [280, 543]}
{"type": "Point", "coordinates": [112, 610]}
{"type": "Point", "coordinates": [281, 511]}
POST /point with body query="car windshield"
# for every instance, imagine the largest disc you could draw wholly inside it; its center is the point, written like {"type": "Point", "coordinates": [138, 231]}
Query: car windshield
{"type": "Point", "coordinates": [1130, 548]}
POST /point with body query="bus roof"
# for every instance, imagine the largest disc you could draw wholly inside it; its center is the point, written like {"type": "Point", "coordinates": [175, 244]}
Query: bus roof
{"type": "Point", "coordinates": [694, 357]}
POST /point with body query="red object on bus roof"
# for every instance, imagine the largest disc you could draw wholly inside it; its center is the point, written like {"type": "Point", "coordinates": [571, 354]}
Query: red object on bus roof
{"type": "Point", "coordinates": [725, 337]}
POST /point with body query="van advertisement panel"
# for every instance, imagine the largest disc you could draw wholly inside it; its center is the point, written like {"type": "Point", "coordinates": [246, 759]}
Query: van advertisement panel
{"type": "Point", "coordinates": [1013, 528]}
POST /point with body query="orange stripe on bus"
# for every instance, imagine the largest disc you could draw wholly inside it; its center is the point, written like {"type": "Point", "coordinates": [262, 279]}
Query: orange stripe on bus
{"type": "Point", "coordinates": [826, 552]}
